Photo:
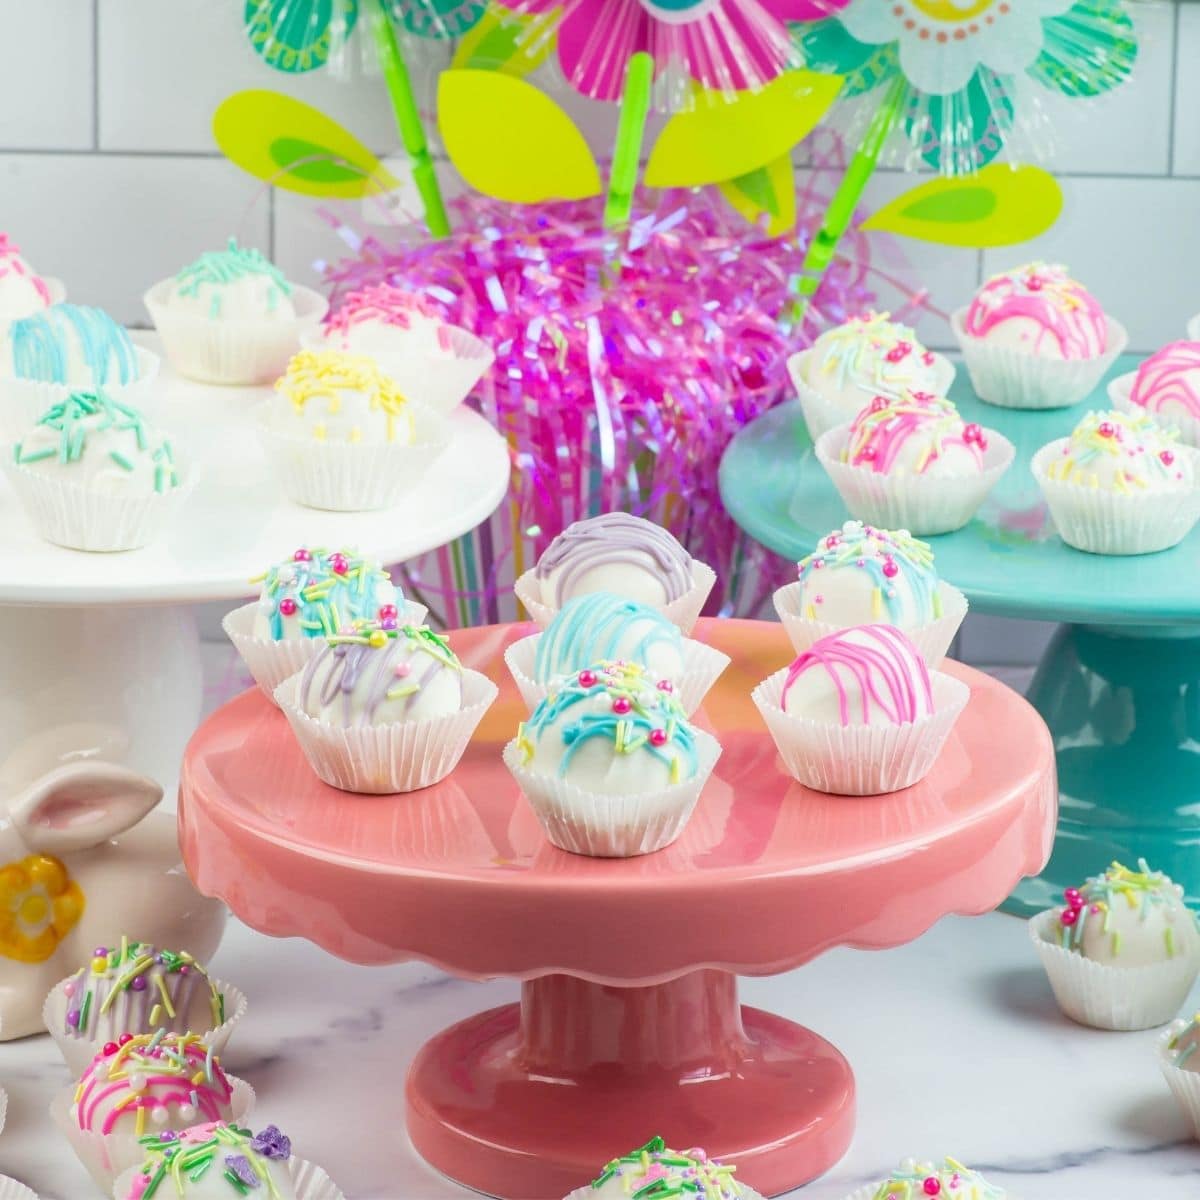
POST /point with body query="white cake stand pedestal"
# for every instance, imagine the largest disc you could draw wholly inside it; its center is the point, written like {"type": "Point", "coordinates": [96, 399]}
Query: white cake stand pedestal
{"type": "Point", "coordinates": [100, 653]}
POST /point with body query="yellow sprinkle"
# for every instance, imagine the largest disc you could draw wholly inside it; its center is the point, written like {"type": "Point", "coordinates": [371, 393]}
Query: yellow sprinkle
{"type": "Point", "coordinates": [166, 998]}
{"type": "Point", "coordinates": [155, 1013]}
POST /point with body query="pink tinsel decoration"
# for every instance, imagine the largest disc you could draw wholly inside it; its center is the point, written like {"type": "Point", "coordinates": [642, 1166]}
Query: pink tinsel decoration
{"type": "Point", "coordinates": [624, 364]}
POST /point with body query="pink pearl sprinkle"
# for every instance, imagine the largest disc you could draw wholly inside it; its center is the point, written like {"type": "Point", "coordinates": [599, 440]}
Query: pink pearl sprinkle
{"type": "Point", "coordinates": [302, 555]}
{"type": "Point", "coordinates": [658, 737]}
{"type": "Point", "coordinates": [1034, 283]}
{"type": "Point", "coordinates": [587, 679]}
{"type": "Point", "coordinates": [1105, 429]}
{"type": "Point", "coordinates": [287, 606]}
{"type": "Point", "coordinates": [1073, 897]}
{"type": "Point", "coordinates": [401, 670]}
{"type": "Point", "coordinates": [1166, 457]}
{"type": "Point", "coordinates": [665, 685]}
{"type": "Point", "coordinates": [1069, 916]}
{"type": "Point", "coordinates": [931, 1186]}
{"type": "Point", "coordinates": [890, 569]}
{"type": "Point", "coordinates": [621, 705]}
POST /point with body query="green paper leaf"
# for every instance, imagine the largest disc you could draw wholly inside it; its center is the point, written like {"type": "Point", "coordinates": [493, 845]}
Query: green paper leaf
{"type": "Point", "coordinates": [291, 145]}
{"type": "Point", "coordinates": [999, 206]}
{"type": "Point", "coordinates": [506, 41]}
{"type": "Point", "coordinates": [766, 192]}
{"type": "Point", "coordinates": [511, 141]}
{"type": "Point", "coordinates": [718, 139]}
{"type": "Point", "coordinates": [1088, 50]}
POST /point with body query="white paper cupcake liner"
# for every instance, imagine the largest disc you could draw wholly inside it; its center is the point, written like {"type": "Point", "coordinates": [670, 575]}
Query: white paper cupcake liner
{"type": "Point", "coordinates": [3, 1108]}
{"type": "Point", "coordinates": [272, 662]}
{"type": "Point", "coordinates": [13, 1189]}
{"type": "Point", "coordinates": [587, 1192]}
{"type": "Point", "coordinates": [925, 505]}
{"type": "Point", "coordinates": [1012, 378]}
{"type": "Point", "coordinates": [932, 639]}
{"type": "Point", "coordinates": [822, 414]}
{"type": "Point", "coordinates": [353, 476]}
{"type": "Point", "coordinates": [860, 760]}
{"type": "Point", "coordinates": [78, 1052]}
{"type": "Point", "coordinates": [309, 1181]}
{"type": "Point", "coordinates": [231, 352]}
{"type": "Point", "coordinates": [1108, 997]}
{"type": "Point", "coordinates": [81, 518]}
{"type": "Point", "coordinates": [1103, 522]}
{"type": "Point", "coordinates": [1184, 1085]}
{"type": "Point", "coordinates": [403, 756]}
{"type": "Point", "coordinates": [441, 380]}
{"type": "Point", "coordinates": [23, 402]}
{"type": "Point", "coordinates": [684, 612]}
{"type": "Point", "coordinates": [106, 1157]}
{"type": "Point", "coordinates": [622, 826]}
{"type": "Point", "coordinates": [702, 665]}
{"type": "Point", "coordinates": [1119, 392]}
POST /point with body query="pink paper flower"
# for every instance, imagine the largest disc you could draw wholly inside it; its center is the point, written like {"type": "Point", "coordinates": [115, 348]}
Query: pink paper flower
{"type": "Point", "coordinates": [727, 45]}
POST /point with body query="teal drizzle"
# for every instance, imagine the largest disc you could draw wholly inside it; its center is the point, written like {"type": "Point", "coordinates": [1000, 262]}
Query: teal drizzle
{"type": "Point", "coordinates": [41, 345]}
{"type": "Point", "coordinates": [219, 268]}
{"type": "Point", "coordinates": [327, 602]}
{"type": "Point", "coordinates": [593, 628]}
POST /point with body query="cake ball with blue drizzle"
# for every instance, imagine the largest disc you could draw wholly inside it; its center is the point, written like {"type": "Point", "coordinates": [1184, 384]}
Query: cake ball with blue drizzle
{"type": "Point", "coordinates": [922, 1179]}
{"type": "Point", "coordinates": [862, 575]}
{"type": "Point", "coordinates": [1122, 951]}
{"type": "Point", "coordinates": [385, 708]}
{"type": "Point", "coordinates": [72, 345]}
{"type": "Point", "coordinates": [610, 762]}
{"type": "Point", "coordinates": [655, 1170]}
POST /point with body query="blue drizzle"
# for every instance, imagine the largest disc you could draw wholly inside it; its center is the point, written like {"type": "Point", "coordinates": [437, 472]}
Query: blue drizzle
{"type": "Point", "coordinates": [41, 345]}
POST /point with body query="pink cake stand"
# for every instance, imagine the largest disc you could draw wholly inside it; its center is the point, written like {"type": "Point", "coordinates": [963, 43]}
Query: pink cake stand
{"type": "Point", "coordinates": [629, 1022]}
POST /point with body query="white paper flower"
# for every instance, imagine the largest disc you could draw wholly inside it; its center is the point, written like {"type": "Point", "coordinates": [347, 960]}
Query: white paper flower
{"type": "Point", "coordinates": [943, 42]}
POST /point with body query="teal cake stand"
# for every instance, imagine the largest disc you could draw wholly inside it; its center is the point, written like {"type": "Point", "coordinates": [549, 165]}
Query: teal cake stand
{"type": "Point", "coordinates": [1119, 684]}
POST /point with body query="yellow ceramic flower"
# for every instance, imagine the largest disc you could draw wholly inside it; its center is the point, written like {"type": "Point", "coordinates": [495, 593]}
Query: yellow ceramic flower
{"type": "Point", "coordinates": [39, 905]}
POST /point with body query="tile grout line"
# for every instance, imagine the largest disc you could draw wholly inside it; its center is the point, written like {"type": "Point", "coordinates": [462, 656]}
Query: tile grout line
{"type": "Point", "coordinates": [1174, 92]}
{"type": "Point", "coordinates": [95, 75]}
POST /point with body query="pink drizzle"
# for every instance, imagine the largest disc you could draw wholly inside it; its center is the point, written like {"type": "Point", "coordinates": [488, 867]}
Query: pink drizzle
{"type": "Point", "coordinates": [889, 675]}
{"type": "Point", "coordinates": [882, 430]}
{"type": "Point", "coordinates": [1062, 308]}
{"type": "Point", "coordinates": [11, 263]}
{"type": "Point", "coordinates": [1163, 382]}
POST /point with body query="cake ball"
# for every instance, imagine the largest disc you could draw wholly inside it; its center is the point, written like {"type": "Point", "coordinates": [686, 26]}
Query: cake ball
{"type": "Point", "coordinates": [944, 1180]}
{"type": "Point", "coordinates": [1119, 452]}
{"type": "Point", "coordinates": [337, 397]}
{"type": "Point", "coordinates": [367, 321]}
{"type": "Point", "coordinates": [1040, 310]}
{"type": "Point", "coordinates": [654, 1170]}
{"type": "Point", "coordinates": [916, 433]}
{"type": "Point", "coordinates": [23, 291]}
{"type": "Point", "coordinates": [316, 592]}
{"type": "Point", "coordinates": [1167, 388]}
{"type": "Point", "coordinates": [212, 1161]}
{"type": "Point", "coordinates": [1123, 950]}
{"type": "Point", "coordinates": [234, 284]}
{"type": "Point", "coordinates": [72, 345]}
{"type": "Point", "coordinates": [1180, 1064]}
{"type": "Point", "coordinates": [600, 626]}
{"type": "Point", "coordinates": [618, 553]}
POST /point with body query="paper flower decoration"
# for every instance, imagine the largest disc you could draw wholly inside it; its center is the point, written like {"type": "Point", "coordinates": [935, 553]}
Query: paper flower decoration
{"type": "Point", "coordinates": [726, 45]}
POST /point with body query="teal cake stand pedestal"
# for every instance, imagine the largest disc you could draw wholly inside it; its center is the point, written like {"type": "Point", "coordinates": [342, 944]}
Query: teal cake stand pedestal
{"type": "Point", "coordinates": [1119, 684]}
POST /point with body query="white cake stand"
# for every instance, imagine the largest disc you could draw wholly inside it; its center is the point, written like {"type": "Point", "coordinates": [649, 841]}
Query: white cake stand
{"type": "Point", "coordinates": [99, 653]}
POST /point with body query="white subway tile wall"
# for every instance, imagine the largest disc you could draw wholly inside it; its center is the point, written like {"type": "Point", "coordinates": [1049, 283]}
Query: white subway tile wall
{"type": "Point", "coordinates": [110, 178]}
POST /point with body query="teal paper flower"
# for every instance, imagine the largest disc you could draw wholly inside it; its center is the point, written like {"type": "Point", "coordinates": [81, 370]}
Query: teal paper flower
{"type": "Point", "coordinates": [963, 63]}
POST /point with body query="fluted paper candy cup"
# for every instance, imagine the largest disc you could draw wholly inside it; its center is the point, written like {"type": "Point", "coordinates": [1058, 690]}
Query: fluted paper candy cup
{"type": "Point", "coordinates": [1012, 378]}
{"type": "Point", "coordinates": [240, 352]}
{"type": "Point", "coordinates": [683, 613]}
{"type": "Point", "coordinates": [1102, 522]}
{"type": "Point", "coordinates": [78, 1052]}
{"type": "Point", "coordinates": [105, 1156]}
{"type": "Point", "coordinates": [860, 760]}
{"type": "Point", "coordinates": [923, 504]}
{"type": "Point", "coordinates": [353, 476]}
{"type": "Point", "coordinates": [1120, 392]}
{"type": "Point", "coordinates": [3, 1108]}
{"type": "Point", "coordinates": [402, 756]}
{"type": "Point", "coordinates": [822, 414]}
{"type": "Point", "coordinates": [1108, 997]}
{"type": "Point", "coordinates": [702, 665]}
{"type": "Point", "coordinates": [271, 662]}
{"type": "Point", "coordinates": [309, 1181]}
{"type": "Point", "coordinates": [620, 826]}
{"type": "Point", "coordinates": [12, 1189]}
{"type": "Point", "coordinates": [24, 402]}
{"type": "Point", "coordinates": [1184, 1085]}
{"type": "Point", "coordinates": [589, 1193]}
{"type": "Point", "coordinates": [932, 639]}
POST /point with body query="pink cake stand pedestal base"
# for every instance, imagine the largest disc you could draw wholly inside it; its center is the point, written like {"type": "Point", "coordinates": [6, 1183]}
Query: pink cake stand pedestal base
{"type": "Point", "coordinates": [629, 1024]}
{"type": "Point", "coordinates": [537, 1094]}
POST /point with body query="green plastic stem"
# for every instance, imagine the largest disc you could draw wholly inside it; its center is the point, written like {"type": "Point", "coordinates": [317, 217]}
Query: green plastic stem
{"type": "Point", "coordinates": [408, 120]}
{"type": "Point", "coordinates": [841, 208]}
{"type": "Point", "coordinates": [631, 128]}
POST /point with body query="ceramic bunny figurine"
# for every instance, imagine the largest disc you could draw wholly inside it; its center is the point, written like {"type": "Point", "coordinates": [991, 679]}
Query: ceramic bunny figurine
{"type": "Point", "coordinates": [83, 860]}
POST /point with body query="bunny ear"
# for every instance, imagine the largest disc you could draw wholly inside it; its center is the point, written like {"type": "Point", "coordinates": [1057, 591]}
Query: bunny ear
{"type": "Point", "coordinates": [81, 805]}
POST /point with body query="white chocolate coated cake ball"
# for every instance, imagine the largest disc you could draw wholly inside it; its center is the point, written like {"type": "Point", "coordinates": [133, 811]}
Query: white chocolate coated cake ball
{"type": "Point", "coordinates": [1124, 453]}
{"type": "Point", "coordinates": [686, 1174]}
{"type": "Point", "coordinates": [916, 434]}
{"type": "Point", "coordinates": [945, 1180]}
{"type": "Point", "coordinates": [72, 345]}
{"type": "Point", "coordinates": [234, 284]}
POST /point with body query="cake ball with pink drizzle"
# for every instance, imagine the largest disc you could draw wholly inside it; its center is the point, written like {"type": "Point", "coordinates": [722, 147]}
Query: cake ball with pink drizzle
{"type": "Point", "coordinates": [864, 357]}
{"type": "Point", "coordinates": [911, 462]}
{"type": "Point", "coordinates": [859, 713]}
{"type": "Point", "coordinates": [1034, 337]}
{"type": "Point", "coordinates": [1120, 484]}
{"type": "Point", "coordinates": [142, 1085]}
{"type": "Point", "coordinates": [619, 553]}
{"type": "Point", "coordinates": [1166, 387]}
{"type": "Point", "coordinates": [385, 708]}
{"type": "Point", "coordinates": [23, 291]}
{"type": "Point", "coordinates": [655, 1170]}
{"type": "Point", "coordinates": [434, 363]}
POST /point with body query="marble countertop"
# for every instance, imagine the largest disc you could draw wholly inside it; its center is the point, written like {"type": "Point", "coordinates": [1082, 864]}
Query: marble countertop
{"type": "Point", "coordinates": [956, 1042]}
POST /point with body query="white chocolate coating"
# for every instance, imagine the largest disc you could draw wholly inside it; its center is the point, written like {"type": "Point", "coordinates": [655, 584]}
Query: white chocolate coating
{"type": "Point", "coordinates": [1122, 452]}
{"type": "Point", "coordinates": [251, 298]}
{"type": "Point", "coordinates": [917, 433]}
{"type": "Point", "coordinates": [701, 1178]}
{"type": "Point", "coordinates": [913, 1180]}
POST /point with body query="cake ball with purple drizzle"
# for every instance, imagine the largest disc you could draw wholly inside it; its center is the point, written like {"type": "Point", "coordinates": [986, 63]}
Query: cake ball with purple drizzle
{"type": "Point", "coordinates": [653, 1171]}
